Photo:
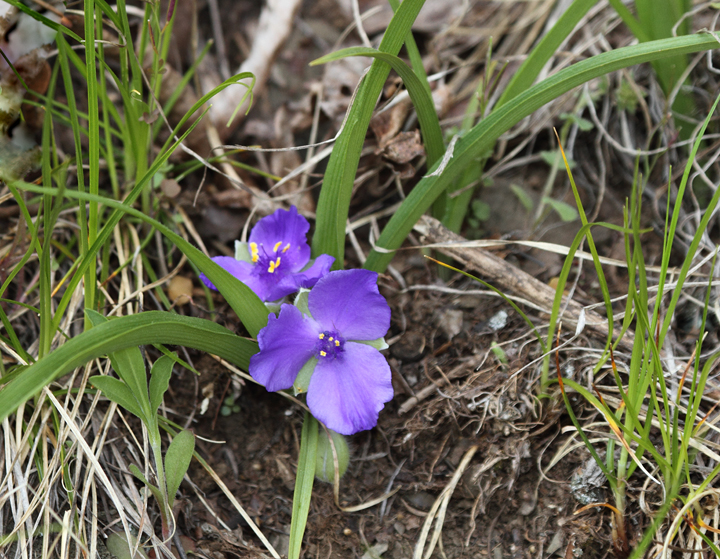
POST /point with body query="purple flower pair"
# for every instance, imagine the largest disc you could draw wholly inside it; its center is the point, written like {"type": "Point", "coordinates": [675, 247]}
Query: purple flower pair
{"type": "Point", "coordinates": [327, 343]}
{"type": "Point", "coordinates": [276, 260]}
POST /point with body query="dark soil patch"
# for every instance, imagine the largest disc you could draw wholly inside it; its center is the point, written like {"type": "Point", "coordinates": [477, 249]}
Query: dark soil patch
{"type": "Point", "coordinates": [502, 506]}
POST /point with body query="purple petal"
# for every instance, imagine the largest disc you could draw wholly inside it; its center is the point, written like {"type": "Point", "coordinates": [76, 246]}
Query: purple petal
{"type": "Point", "coordinates": [286, 344]}
{"type": "Point", "coordinates": [278, 290]}
{"type": "Point", "coordinates": [292, 282]}
{"type": "Point", "coordinates": [347, 393]}
{"type": "Point", "coordinates": [319, 269]}
{"type": "Point", "coordinates": [349, 302]}
{"type": "Point", "coordinates": [242, 271]}
{"type": "Point", "coordinates": [287, 228]}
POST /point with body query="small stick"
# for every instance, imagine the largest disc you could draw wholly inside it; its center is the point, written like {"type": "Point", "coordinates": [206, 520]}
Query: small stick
{"type": "Point", "coordinates": [507, 277]}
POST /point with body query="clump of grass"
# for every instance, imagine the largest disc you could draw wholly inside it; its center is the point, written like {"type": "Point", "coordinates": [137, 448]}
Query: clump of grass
{"type": "Point", "coordinates": [81, 248]}
{"type": "Point", "coordinates": [656, 427]}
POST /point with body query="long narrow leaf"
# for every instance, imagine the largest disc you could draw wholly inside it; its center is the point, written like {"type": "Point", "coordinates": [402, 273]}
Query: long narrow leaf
{"type": "Point", "coordinates": [484, 135]}
{"type": "Point", "coordinates": [334, 201]}
{"type": "Point", "coordinates": [303, 484]}
{"type": "Point", "coordinates": [153, 327]}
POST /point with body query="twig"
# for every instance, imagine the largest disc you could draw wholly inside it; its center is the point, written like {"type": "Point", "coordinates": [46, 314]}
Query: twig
{"type": "Point", "coordinates": [507, 277]}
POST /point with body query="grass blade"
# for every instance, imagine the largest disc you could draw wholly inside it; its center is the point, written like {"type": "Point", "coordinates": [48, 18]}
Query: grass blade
{"type": "Point", "coordinates": [334, 201]}
{"type": "Point", "coordinates": [483, 136]}
{"type": "Point", "coordinates": [303, 484]}
{"type": "Point", "coordinates": [152, 327]}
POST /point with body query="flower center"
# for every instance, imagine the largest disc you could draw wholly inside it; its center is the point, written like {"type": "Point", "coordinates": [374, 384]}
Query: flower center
{"type": "Point", "coordinates": [329, 345]}
{"type": "Point", "coordinates": [268, 263]}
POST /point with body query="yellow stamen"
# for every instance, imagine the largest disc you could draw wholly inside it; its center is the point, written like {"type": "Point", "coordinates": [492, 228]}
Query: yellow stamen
{"type": "Point", "coordinates": [274, 265]}
{"type": "Point", "coordinates": [323, 354]}
{"type": "Point", "coordinates": [337, 343]}
{"type": "Point", "coordinates": [254, 252]}
{"type": "Point", "coordinates": [330, 339]}
{"type": "Point", "coordinates": [277, 245]}
{"type": "Point", "coordinates": [286, 247]}
{"type": "Point", "coordinates": [321, 336]}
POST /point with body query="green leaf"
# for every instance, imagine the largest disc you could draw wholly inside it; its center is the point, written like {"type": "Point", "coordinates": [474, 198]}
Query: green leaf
{"type": "Point", "coordinates": [419, 95]}
{"type": "Point", "coordinates": [177, 460]}
{"type": "Point", "coordinates": [582, 123]}
{"type": "Point", "coordinates": [117, 391]}
{"type": "Point", "coordinates": [120, 333]}
{"type": "Point", "coordinates": [303, 484]}
{"type": "Point", "coordinates": [378, 344]}
{"type": "Point", "coordinates": [483, 136]}
{"type": "Point", "coordinates": [159, 381]}
{"type": "Point", "coordinates": [563, 209]}
{"type": "Point", "coordinates": [522, 195]}
{"type": "Point", "coordinates": [481, 210]}
{"type": "Point", "coordinates": [130, 366]}
{"type": "Point", "coordinates": [554, 157]}
{"type": "Point", "coordinates": [301, 301]}
{"type": "Point", "coordinates": [134, 470]}
{"type": "Point", "coordinates": [302, 380]}
{"type": "Point", "coordinates": [499, 353]}
{"type": "Point", "coordinates": [334, 201]}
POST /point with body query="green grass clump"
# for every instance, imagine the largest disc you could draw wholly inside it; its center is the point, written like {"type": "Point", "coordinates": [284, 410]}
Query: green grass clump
{"type": "Point", "coordinates": [655, 429]}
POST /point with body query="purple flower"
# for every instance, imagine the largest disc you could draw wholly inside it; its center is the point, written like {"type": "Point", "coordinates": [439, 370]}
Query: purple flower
{"type": "Point", "coordinates": [274, 263]}
{"type": "Point", "coordinates": [350, 382]}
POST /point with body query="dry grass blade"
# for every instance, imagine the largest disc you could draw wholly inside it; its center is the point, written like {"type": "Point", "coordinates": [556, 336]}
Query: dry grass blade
{"type": "Point", "coordinates": [439, 509]}
{"type": "Point", "coordinates": [239, 508]}
{"type": "Point", "coordinates": [100, 472]}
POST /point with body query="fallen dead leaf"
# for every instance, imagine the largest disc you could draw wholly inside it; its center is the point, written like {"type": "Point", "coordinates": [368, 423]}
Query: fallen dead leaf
{"type": "Point", "coordinates": [387, 124]}
{"type": "Point", "coordinates": [404, 147]}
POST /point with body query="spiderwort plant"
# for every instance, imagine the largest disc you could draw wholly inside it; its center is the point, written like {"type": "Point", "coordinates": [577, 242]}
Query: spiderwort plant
{"type": "Point", "coordinates": [275, 262]}
{"type": "Point", "coordinates": [327, 346]}
{"type": "Point", "coordinates": [134, 393]}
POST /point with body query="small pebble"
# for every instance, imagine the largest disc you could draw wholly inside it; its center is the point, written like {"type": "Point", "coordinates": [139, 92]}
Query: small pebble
{"type": "Point", "coordinates": [347, 532]}
{"type": "Point", "coordinates": [421, 500]}
{"type": "Point", "coordinates": [180, 290]}
{"type": "Point", "coordinates": [498, 321]}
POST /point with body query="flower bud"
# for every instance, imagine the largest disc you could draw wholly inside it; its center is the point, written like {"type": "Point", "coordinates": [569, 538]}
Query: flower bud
{"type": "Point", "coordinates": [324, 463]}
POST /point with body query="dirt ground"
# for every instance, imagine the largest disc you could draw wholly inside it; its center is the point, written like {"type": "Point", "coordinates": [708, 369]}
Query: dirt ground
{"type": "Point", "coordinates": [505, 505]}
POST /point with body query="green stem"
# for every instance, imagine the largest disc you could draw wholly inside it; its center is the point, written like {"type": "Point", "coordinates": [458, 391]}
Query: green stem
{"type": "Point", "coordinates": [156, 445]}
